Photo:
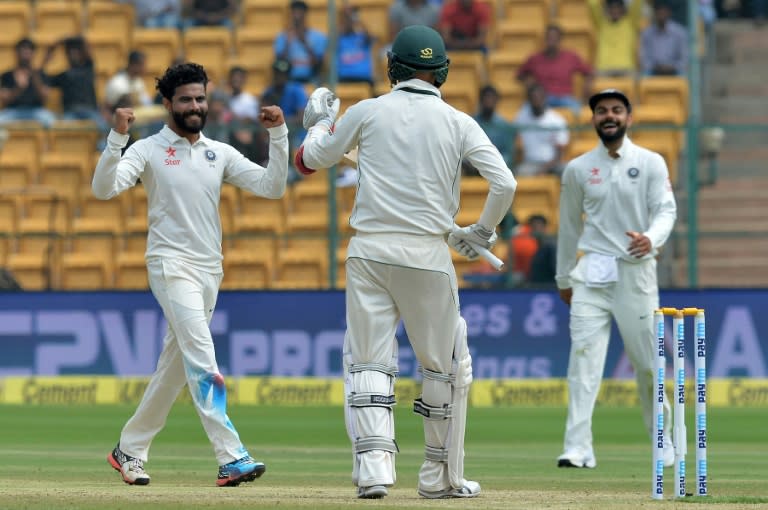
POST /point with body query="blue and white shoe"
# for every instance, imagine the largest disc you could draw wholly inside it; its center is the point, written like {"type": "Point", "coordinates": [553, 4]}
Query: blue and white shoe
{"type": "Point", "coordinates": [239, 471]}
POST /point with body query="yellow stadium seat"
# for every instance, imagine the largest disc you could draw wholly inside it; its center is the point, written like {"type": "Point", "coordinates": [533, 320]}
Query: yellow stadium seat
{"type": "Point", "coordinates": [62, 174]}
{"type": "Point", "coordinates": [99, 215]}
{"type": "Point", "coordinates": [246, 269]}
{"type": "Point", "coordinates": [55, 65]}
{"type": "Point", "coordinates": [460, 96]}
{"type": "Point", "coordinates": [526, 12]}
{"type": "Point", "coordinates": [573, 10]}
{"type": "Point", "coordinates": [265, 14]}
{"type": "Point", "coordinates": [473, 193]}
{"type": "Point", "coordinates": [578, 38]}
{"type": "Point", "coordinates": [160, 45]}
{"type": "Point", "coordinates": [14, 21]}
{"type": "Point", "coordinates": [352, 93]}
{"type": "Point", "coordinates": [45, 210]}
{"type": "Point", "coordinates": [117, 17]}
{"type": "Point", "coordinates": [210, 47]}
{"type": "Point", "coordinates": [83, 271]}
{"type": "Point", "coordinates": [523, 39]}
{"type": "Point", "coordinates": [579, 146]}
{"type": "Point", "coordinates": [511, 98]}
{"type": "Point", "coordinates": [301, 270]}
{"type": "Point", "coordinates": [131, 271]}
{"type": "Point", "coordinates": [10, 211]}
{"type": "Point", "coordinates": [26, 142]}
{"type": "Point", "coordinates": [665, 90]}
{"type": "Point", "coordinates": [109, 49]}
{"type": "Point", "coordinates": [539, 194]}
{"type": "Point", "coordinates": [468, 68]}
{"type": "Point", "coordinates": [373, 14]}
{"type": "Point", "coordinates": [503, 65]}
{"type": "Point", "coordinates": [58, 19]}
{"type": "Point", "coordinates": [32, 271]}
{"type": "Point", "coordinates": [76, 137]}
{"type": "Point", "coordinates": [626, 84]}
{"type": "Point", "coordinates": [135, 207]}
{"type": "Point", "coordinates": [317, 15]}
{"type": "Point", "coordinates": [16, 175]}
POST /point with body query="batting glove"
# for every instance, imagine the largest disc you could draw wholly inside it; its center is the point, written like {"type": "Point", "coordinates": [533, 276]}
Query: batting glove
{"type": "Point", "coordinates": [322, 107]}
{"type": "Point", "coordinates": [461, 239]}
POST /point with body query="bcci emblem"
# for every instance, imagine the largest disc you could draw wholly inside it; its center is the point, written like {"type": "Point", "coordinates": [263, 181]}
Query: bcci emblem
{"type": "Point", "coordinates": [633, 172]}
{"type": "Point", "coordinates": [426, 53]}
{"type": "Point", "coordinates": [210, 155]}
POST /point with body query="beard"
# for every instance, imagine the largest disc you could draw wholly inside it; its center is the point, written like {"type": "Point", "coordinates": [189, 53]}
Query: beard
{"type": "Point", "coordinates": [611, 137]}
{"type": "Point", "coordinates": [182, 120]}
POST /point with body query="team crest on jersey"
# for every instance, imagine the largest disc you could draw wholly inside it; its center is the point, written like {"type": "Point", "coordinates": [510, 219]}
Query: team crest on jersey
{"type": "Point", "coordinates": [210, 155]}
{"type": "Point", "coordinates": [633, 172]}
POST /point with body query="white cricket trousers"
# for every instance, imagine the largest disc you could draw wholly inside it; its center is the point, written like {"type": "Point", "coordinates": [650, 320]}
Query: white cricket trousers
{"type": "Point", "coordinates": [631, 302]}
{"type": "Point", "coordinates": [377, 296]}
{"type": "Point", "coordinates": [188, 297]}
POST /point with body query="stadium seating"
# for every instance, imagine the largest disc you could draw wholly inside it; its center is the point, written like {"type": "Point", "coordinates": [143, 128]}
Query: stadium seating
{"type": "Point", "coordinates": [665, 90]}
{"type": "Point", "coordinates": [131, 271]}
{"type": "Point", "coordinates": [108, 48]}
{"type": "Point", "coordinates": [160, 45]}
{"type": "Point", "coordinates": [264, 14]}
{"type": "Point", "coordinates": [15, 21]}
{"type": "Point", "coordinates": [57, 19]}
{"type": "Point", "coordinates": [305, 269]}
{"type": "Point", "coordinates": [117, 18]}
{"type": "Point", "coordinates": [246, 269]}
{"type": "Point", "coordinates": [16, 175]}
{"type": "Point", "coordinates": [10, 211]}
{"type": "Point", "coordinates": [210, 47]}
{"type": "Point", "coordinates": [351, 93]}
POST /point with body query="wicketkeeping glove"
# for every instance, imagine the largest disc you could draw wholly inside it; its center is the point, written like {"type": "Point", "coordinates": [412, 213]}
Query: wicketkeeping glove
{"type": "Point", "coordinates": [322, 106]}
{"type": "Point", "coordinates": [462, 238]}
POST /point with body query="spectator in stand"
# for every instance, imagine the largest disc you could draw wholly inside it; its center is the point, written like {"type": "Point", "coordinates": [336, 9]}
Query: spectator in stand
{"type": "Point", "coordinates": [78, 93]}
{"type": "Point", "coordinates": [210, 13]}
{"type": "Point", "coordinates": [302, 46]}
{"type": "Point", "coordinates": [618, 31]}
{"type": "Point", "coordinates": [127, 85]}
{"type": "Point", "coordinates": [156, 13]}
{"type": "Point", "coordinates": [23, 89]}
{"type": "Point", "coordinates": [219, 120]}
{"type": "Point", "coordinates": [354, 48]}
{"type": "Point", "coordinates": [499, 130]}
{"type": "Point", "coordinates": [242, 103]}
{"type": "Point", "coordinates": [664, 44]}
{"type": "Point", "coordinates": [543, 135]}
{"type": "Point", "coordinates": [525, 243]}
{"type": "Point", "coordinates": [290, 96]}
{"type": "Point", "coordinates": [464, 24]}
{"type": "Point", "coordinates": [554, 68]}
{"type": "Point", "coordinates": [403, 13]}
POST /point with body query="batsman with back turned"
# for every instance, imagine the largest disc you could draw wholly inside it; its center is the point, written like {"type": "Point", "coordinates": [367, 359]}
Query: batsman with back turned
{"type": "Point", "coordinates": [410, 148]}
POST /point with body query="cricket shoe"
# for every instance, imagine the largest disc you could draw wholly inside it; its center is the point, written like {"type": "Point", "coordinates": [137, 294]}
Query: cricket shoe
{"type": "Point", "coordinates": [372, 492]}
{"type": "Point", "coordinates": [469, 489]}
{"type": "Point", "coordinates": [241, 470]}
{"type": "Point", "coordinates": [131, 468]}
{"type": "Point", "coordinates": [568, 460]}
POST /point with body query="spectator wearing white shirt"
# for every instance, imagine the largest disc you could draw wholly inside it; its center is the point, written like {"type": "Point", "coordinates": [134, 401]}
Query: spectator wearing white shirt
{"type": "Point", "coordinates": [242, 104]}
{"type": "Point", "coordinates": [126, 87]}
{"type": "Point", "coordinates": [543, 135]}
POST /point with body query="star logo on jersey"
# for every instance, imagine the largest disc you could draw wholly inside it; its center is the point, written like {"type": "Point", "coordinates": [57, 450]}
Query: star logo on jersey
{"type": "Point", "coordinates": [171, 152]}
{"type": "Point", "coordinates": [594, 176]}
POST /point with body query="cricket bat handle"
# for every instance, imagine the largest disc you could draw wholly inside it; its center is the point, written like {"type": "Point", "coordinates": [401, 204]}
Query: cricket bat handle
{"type": "Point", "coordinates": [495, 261]}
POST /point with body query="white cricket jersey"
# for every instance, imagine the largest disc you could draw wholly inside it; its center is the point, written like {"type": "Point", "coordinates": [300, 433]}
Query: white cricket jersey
{"type": "Point", "coordinates": [602, 198]}
{"type": "Point", "coordinates": [410, 147]}
{"type": "Point", "coordinates": [183, 183]}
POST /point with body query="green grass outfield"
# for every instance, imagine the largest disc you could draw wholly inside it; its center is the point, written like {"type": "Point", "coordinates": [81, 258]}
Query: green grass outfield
{"type": "Point", "coordinates": [54, 458]}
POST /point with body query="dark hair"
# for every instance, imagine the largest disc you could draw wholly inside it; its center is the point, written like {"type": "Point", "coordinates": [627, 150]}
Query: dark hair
{"type": "Point", "coordinates": [534, 87]}
{"type": "Point", "coordinates": [488, 89]}
{"type": "Point", "coordinates": [557, 28]}
{"type": "Point", "coordinates": [178, 75]}
{"type": "Point", "coordinates": [25, 43]}
{"type": "Point", "coordinates": [136, 56]}
{"type": "Point", "coordinates": [299, 4]}
{"type": "Point", "coordinates": [75, 42]}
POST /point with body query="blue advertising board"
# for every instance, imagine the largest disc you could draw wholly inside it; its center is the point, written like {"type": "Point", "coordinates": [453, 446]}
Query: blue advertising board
{"type": "Point", "coordinates": [512, 334]}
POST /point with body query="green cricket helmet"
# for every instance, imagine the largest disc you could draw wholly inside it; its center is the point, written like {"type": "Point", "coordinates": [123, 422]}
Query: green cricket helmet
{"type": "Point", "coordinates": [417, 48]}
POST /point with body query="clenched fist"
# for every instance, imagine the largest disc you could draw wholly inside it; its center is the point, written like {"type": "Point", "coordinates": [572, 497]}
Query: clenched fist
{"type": "Point", "coordinates": [123, 120]}
{"type": "Point", "coordinates": [271, 116]}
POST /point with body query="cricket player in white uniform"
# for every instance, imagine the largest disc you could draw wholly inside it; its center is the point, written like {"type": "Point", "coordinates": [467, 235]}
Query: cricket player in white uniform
{"type": "Point", "coordinates": [183, 172]}
{"type": "Point", "coordinates": [618, 209]}
{"type": "Point", "coordinates": [410, 148]}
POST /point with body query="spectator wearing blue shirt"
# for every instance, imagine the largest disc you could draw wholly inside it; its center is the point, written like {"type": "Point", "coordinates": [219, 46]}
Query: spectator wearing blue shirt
{"type": "Point", "coordinates": [302, 46]}
{"type": "Point", "coordinates": [354, 49]}
{"type": "Point", "coordinates": [664, 44]}
{"type": "Point", "coordinates": [289, 96]}
{"type": "Point", "coordinates": [499, 130]}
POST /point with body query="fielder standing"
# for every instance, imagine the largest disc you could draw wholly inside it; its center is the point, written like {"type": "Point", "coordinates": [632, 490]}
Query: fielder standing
{"type": "Point", "coordinates": [410, 148]}
{"type": "Point", "coordinates": [183, 172]}
{"type": "Point", "coordinates": [618, 209]}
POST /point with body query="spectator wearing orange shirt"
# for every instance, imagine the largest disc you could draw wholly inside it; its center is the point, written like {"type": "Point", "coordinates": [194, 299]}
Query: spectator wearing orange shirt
{"type": "Point", "coordinates": [464, 24]}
